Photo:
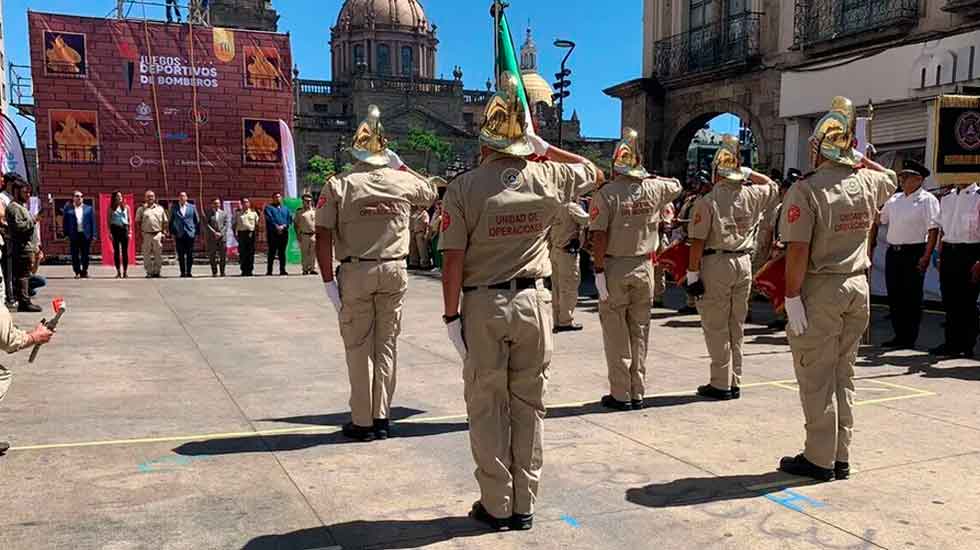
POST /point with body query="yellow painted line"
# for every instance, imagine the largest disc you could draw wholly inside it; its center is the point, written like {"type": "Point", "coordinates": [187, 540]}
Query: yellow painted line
{"type": "Point", "coordinates": [901, 387]}
{"type": "Point", "coordinates": [895, 398]}
{"type": "Point", "coordinates": [783, 384]}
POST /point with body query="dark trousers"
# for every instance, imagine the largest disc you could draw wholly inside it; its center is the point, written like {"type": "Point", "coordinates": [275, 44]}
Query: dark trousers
{"type": "Point", "coordinates": [7, 264]}
{"type": "Point", "coordinates": [80, 246]}
{"type": "Point", "coordinates": [246, 251]}
{"type": "Point", "coordinates": [185, 255]}
{"type": "Point", "coordinates": [904, 282]}
{"type": "Point", "coordinates": [959, 295]}
{"type": "Point", "coordinates": [277, 247]}
{"type": "Point", "coordinates": [120, 246]}
{"type": "Point", "coordinates": [172, 5]}
{"type": "Point", "coordinates": [23, 261]}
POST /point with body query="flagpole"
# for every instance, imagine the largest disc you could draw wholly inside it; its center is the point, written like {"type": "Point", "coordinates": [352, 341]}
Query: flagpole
{"type": "Point", "coordinates": [496, 41]}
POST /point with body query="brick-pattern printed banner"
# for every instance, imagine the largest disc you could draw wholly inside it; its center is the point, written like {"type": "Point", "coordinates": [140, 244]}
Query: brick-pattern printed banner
{"type": "Point", "coordinates": [128, 105]}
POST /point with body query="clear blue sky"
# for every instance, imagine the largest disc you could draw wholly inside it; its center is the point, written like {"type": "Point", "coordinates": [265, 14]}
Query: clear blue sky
{"type": "Point", "coordinates": [609, 42]}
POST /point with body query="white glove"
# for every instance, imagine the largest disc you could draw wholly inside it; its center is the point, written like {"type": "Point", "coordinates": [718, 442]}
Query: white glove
{"type": "Point", "coordinates": [797, 315]}
{"type": "Point", "coordinates": [693, 277]}
{"type": "Point", "coordinates": [455, 331]}
{"type": "Point", "coordinates": [747, 172]}
{"type": "Point", "coordinates": [858, 155]}
{"type": "Point", "coordinates": [540, 146]}
{"type": "Point", "coordinates": [394, 161]}
{"type": "Point", "coordinates": [333, 294]}
{"type": "Point", "coordinates": [600, 285]}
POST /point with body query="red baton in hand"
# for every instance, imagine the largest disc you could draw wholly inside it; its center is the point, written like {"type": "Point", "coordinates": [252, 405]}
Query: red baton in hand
{"type": "Point", "coordinates": [58, 305]}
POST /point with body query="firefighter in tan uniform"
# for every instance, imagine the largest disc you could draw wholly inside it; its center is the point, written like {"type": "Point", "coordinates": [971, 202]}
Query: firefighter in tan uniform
{"type": "Point", "coordinates": [495, 253]}
{"type": "Point", "coordinates": [305, 222]}
{"type": "Point", "coordinates": [825, 223]}
{"type": "Point", "coordinates": [625, 228]}
{"type": "Point", "coordinates": [566, 275]}
{"type": "Point", "coordinates": [12, 340]}
{"type": "Point", "coordinates": [723, 234]}
{"type": "Point", "coordinates": [153, 222]}
{"type": "Point", "coordinates": [419, 255]}
{"type": "Point", "coordinates": [364, 218]}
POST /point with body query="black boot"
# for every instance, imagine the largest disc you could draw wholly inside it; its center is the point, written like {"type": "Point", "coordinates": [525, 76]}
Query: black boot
{"type": "Point", "coordinates": [479, 513]}
{"type": "Point", "coordinates": [4, 447]}
{"type": "Point", "coordinates": [359, 433]}
{"type": "Point", "coordinates": [637, 404]}
{"type": "Point", "coordinates": [521, 522]}
{"type": "Point", "coordinates": [611, 402]}
{"type": "Point", "coordinates": [799, 466]}
{"type": "Point", "coordinates": [736, 392]}
{"type": "Point", "coordinates": [381, 428]}
{"type": "Point", "coordinates": [842, 470]}
{"type": "Point", "coordinates": [27, 307]}
{"type": "Point", "coordinates": [712, 392]}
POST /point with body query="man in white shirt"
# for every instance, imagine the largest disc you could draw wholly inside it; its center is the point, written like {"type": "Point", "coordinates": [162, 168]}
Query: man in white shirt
{"type": "Point", "coordinates": [959, 271]}
{"type": "Point", "coordinates": [912, 217]}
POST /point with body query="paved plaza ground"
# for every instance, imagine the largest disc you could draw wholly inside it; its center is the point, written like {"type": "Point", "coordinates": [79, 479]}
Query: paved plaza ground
{"type": "Point", "coordinates": [205, 414]}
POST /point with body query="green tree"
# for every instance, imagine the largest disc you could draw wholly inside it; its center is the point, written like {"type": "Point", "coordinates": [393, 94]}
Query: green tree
{"type": "Point", "coordinates": [595, 155]}
{"type": "Point", "coordinates": [428, 144]}
{"type": "Point", "coordinates": [318, 171]}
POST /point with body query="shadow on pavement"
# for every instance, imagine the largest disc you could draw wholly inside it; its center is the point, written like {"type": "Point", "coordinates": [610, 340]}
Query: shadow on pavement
{"type": "Point", "coordinates": [703, 490]}
{"type": "Point", "coordinates": [295, 442]}
{"type": "Point", "coordinates": [673, 323]}
{"type": "Point", "coordinates": [339, 419]}
{"type": "Point", "coordinates": [597, 408]}
{"type": "Point", "coordinates": [770, 341]}
{"type": "Point", "coordinates": [971, 373]}
{"type": "Point", "coordinates": [881, 357]}
{"type": "Point", "coordinates": [372, 534]}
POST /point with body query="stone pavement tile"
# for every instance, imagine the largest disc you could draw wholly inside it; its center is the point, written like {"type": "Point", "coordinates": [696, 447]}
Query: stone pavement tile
{"type": "Point", "coordinates": [144, 496]}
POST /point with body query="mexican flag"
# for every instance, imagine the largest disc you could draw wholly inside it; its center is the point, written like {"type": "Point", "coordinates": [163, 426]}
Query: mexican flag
{"type": "Point", "coordinates": [507, 58]}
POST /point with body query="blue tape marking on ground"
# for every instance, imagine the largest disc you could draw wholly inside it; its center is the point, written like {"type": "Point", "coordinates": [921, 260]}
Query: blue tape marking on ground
{"type": "Point", "coordinates": [150, 465]}
{"type": "Point", "coordinates": [571, 521]}
{"type": "Point", "coordinates": [787, 498]}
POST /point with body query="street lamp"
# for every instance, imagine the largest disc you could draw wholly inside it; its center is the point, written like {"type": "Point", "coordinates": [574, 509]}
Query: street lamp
{"type": "Point", "coordinates": [562, 85]}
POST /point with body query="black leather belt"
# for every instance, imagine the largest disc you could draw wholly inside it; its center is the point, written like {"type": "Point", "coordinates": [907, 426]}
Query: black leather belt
{"type": "Point", "coordinates": [955, 246]}
{"type": "Point", "coordinates": [371, 260]}
{"type": "Point", "coordinates": [520, 283]}
{"type": "Point", "coordinates": [918, 247]}
{"type": "Point", "coordinates": [712, 252]}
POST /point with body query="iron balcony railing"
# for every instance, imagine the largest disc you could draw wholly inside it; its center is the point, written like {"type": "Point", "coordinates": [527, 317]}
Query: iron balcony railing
{"type": "Point", "coordinates": [731, 41]}
{"type": "Point", "coordinates": [823, 20]}
{"type": "Point", "coordinates": [322, 87]}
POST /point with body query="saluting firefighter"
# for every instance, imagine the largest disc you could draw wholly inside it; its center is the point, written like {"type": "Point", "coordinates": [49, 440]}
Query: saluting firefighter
{"type": "Point", "coordinates": [495, 253]}
{"type": "Point", "coordinates": [625, 228]}
{"type": "Point", "coordinates": [682, 223]}
{"type": "Point", "coordinates": [566, 274]}
{"type": "Point", "coordinates": [723, 234]}
{"type": "Point", "coordinates": [825, 223]}
{"type": "Point", "coordinates": [365, 220]}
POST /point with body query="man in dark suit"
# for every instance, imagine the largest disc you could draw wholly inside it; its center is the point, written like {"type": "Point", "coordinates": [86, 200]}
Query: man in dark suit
{"type": "Point", "coordinates": [277, 222]}
{"type": "Point", "coordinates": [184, 226]}
{"type": "Point", "coordinates": [78, 222]}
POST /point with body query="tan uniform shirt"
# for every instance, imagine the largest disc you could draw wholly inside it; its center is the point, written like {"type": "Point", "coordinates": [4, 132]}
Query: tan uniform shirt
{"type": "Point", "coordinates": [153, 219]}
{"type": "Point", "coordinates": [246, 220]}
{"type": "Point", "coordinates": [629, 210]}
{"type": "Point", "coordinates": [420, 221]}
{"type": "Point", "coordinates": [568, 225]}
{"type": "Point", "coordinates": [12, 339]}
{"type": "Point", "coordinates": [500, 214]}
{"type": "Point", "coordinates": [727, 218]}
{"type": "Point", "coordinates": [305, 220]}
{"type": "Point", "coordinates": [435, 226]}
{"type": "Point", "coordinates": [368, 209]}
{"type": "Point", "coordinates": [833, 209]}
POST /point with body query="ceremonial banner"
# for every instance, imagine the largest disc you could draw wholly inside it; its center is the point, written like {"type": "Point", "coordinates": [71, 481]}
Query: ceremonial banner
{"type": "Point", "coordinates": [11, 149]}
{"type": "Point", "coordinates": [507, 61]}
{"type": "Point", "coordinates": [105, 236]}
{"type": "Point", "coordinates": [957, 138]}
{"type": "Point", "coordinates": [288, 160]}
{"type": "Point", "coordinates": [231, 238]}
{"type": "Point", "coordinates": [771, 282]}
{"type": "Point", "coordinates": [293, 255]}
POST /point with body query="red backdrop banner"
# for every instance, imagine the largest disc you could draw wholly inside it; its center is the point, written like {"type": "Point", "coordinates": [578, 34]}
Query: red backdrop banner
{"type": "Point", "coordinates": [105, 237]}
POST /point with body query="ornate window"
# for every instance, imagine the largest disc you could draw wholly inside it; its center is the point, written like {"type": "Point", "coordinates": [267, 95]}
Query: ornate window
{"type": "Point", "coordinates": [358, 55]}
{"type": "Point", "coordinates": [408, 65]}
{"type": "Point", "coordinates": [384, 59]}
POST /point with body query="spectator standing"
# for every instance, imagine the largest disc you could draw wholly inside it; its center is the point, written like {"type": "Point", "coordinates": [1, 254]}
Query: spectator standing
{"type": "Point", "coordinates": [912, 217]}
{"type": "Point", "coordinates": [246, 222]}
{"type": "Point", "coordinates": [78, 223]}
{"type": "Point", "coordinates": [6, 262]}
{"type": "Point", "coordinates": [121, 231]}
{"type": "Point", "coordinates": [277, 222]}
{"type": "Point", "coordinates": [184, 225]}
{"type": "Point", "coordinates": [172, 7]}
{"type": "Point", "coordinates": [152, 221]}
{"type": "Point", "coordinates": [214, 237]}
{"type": "Point", "coordinates": [419, 250]}
{"type": "Point", "coordinates": [306, 234]}
{"type": "Point", "coordinates": [959, 253]}
{"type": "Point", "coordinates": [20, 223]}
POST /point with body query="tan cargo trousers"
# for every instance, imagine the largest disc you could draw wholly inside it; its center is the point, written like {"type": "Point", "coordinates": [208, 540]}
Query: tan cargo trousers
{"type": "Point", "coordinates": [422, 244]}
{"type": "Point", "coordinates": [6, 377]}
{"type": "Point", "coordinates": [370, 321]}
{"type": "Point", "coordinates": [152, 253]}
{"type": "Point", "coordinates": [307, 250]}
{"type": "Point", "coordinates": [625, 319]}
{"type": "Point", "coordinates": [727, 282]}
{"type": "Point", "coordinates": [508, 337]}
{"type": "Point", "coordinates": [838, 310]}
{"type": "Point", "coordinates": [566, 276]}
{"type": "Point", "coordinates": [659, 275]}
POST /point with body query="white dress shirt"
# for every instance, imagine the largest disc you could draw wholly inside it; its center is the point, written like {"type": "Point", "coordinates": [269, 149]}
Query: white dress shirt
{"type": "Point", "coordinates": [79, 215]}
{"type": "Point", "coordinates": [183, 209]}
{"type": "Point", "coordinates": [960, 215]}
{"type": "Point", "coordinates": [910, 217]}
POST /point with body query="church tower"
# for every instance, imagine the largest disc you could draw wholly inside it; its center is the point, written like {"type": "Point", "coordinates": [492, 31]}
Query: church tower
{"type": "Point", "coordinates": [255, 15]}
{"type": "Point", "coordinates": [538, 89]}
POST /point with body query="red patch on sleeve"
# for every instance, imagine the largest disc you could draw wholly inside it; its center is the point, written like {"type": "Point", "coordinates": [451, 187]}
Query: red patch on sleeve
{"type": "Point", "coordinates": [794, 214]}
{"type": "Point", "coordinates": [697, 218]}
{"type": "Point", "coordinates": [323, 200]}
{"type": "Point", "coordinates": [446, 221]}
{"type": "Point", "coordinates": [594, 213]}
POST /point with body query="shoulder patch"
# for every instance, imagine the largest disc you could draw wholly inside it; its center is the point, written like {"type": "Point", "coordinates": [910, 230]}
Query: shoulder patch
{"type": "Point", "coordinates": [447, 220]}
{"type": "Point", "coordinates": [697, 218]}
{"type": "Point", "coordinates": [794, 213]}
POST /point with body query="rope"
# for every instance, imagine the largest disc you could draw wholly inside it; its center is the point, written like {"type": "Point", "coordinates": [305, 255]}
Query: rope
{"type": "Point", "coordinates": [197, 126]}
{"type": "Point", "coordinates": [156, 106]}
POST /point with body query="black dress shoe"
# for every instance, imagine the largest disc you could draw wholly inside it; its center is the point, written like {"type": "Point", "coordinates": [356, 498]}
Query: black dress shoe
{"type": "Point", "coordinates": [4, 447]}
{"type": "Point", "coordinates": [574, 327]}
{"type": "Point", "coordinates": [799, 466]}
{"type": "Point", "coordinates": [359, 433]}
{"type": "Point", "coordinates": [688, 310]}
{"type": "Point", "coordinates": [382, 428]}
{"type": "Point", "coordinates": [659, 304]}
{"type": "Point", "coordinates": [313, 272]}
{"type": "Point", "coordinates": [968, 354]}
{"type": "Point", "coordinates": [842, 470]}
{"type": "Point", "coordinates": [28, 307]}
{"type": "Point", "coordinates": [894, 343]}
{"type": "Point", "coordinates": [778, 324]}
{"type": "Point", "coordinates": [712, 392]}
{"type": "Point", "coordinates": [637, 404]}
{"type": "Point", "coordinates": [521, 522]}
{"type": "Point", "coordinates": [611, 402]}
{"type": "Point", "coordinates": [736, 392]}
{"type": "Point", "coordinates": [283, 274]}
{"type": "Point", "coordinates": [479, 513]}
{"type": "Point", "coordinates": [943, 351]}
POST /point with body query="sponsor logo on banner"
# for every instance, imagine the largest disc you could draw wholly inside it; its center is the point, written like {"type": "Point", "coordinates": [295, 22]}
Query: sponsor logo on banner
{"type": "Point", "coordinates": [144, 114]}
{"type": "Point", "coordinates": [199, 117]}
{"type": "Point", "coordinates": [176, 136]}
{"type": "Point", "coordinates": [171, 111]}
{"type": "Point", "coordinates": [967, 130]}
{"type": "Point", "coordinates": [175, 71]}
{"type": "Point", "coordinates": [224, 44]}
